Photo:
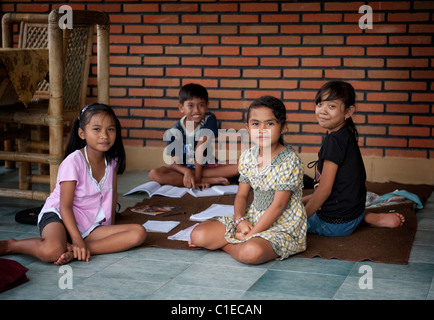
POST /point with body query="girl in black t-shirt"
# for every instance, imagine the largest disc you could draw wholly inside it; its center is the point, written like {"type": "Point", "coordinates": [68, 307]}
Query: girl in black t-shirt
{"type": "Point", "coordinates": [337, 205]}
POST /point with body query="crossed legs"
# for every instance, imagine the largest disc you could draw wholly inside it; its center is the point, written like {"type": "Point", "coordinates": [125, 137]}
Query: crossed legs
{"type": "Point", "coordinates": [53, 245]}
{"type": "Point", "coordinates": [210, 235]}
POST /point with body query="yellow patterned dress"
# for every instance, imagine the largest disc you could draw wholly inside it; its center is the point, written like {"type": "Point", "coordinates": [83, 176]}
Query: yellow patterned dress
{"type": "Point", "coordinates": [287, 235]}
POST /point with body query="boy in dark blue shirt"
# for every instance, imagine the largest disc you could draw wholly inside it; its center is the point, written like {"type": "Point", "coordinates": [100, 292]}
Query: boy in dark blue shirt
{"type": "Point", "coordinates": [190, 145]}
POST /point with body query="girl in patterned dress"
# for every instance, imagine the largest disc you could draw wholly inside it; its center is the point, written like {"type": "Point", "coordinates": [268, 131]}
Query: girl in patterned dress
{"type": "Point", "coordinates": [274, 224]}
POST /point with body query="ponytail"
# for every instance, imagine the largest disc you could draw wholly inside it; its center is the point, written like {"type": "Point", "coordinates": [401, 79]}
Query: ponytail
{"type": "Point", "coordinates": [74, 141]}
{"type": "Point", "coordinates": [352, 127]}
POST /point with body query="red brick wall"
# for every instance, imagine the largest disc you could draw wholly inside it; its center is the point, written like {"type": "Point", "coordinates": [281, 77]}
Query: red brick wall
{"type": "Point", "coordinates": [241, 50]}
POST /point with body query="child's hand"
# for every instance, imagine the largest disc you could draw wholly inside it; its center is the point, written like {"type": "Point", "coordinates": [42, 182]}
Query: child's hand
{"type": "Point", "coordinates": [80, 250]}
{"type": "Point", "coordinates": [243, 228]}
{"type": "Point", "coordinates": [188, 180]}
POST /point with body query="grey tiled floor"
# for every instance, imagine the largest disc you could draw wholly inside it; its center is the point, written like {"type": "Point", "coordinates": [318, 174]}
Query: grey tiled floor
{"type": "Point", "coordinates": [154, 273]}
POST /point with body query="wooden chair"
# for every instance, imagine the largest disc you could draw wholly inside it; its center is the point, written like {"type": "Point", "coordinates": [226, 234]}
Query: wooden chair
{"type": "Point", "coordinates": [70, 51]}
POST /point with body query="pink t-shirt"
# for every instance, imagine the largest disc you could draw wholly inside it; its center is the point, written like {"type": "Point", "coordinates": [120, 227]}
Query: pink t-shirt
{"type": "Point", "coordinates": [91, 199]}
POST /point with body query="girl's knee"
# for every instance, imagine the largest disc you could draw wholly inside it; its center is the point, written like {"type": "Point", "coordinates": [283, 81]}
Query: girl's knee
{"type": "Point", "coordinates": [197, 237]}
{"type": "Point", "coordinates": [250, 253]}
{"type": "Point", "coordinates": [52, 252]}
{"type": "Point", "coordinates": [139, 234]}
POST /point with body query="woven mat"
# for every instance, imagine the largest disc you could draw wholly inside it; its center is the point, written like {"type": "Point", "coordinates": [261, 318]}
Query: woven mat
{"type": "Point", "coordinates": [366, 243]}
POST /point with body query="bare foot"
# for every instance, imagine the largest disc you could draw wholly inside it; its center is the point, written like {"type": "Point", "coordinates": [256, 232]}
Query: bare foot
{"type": "Point", "coordinates": [216, 180]}
{"type": "Point", "coordinates": [3, 247]}
{"type": "Point", "coordinates": [66, 256]}
{"type": "Point", "coordinates": [385, 220]}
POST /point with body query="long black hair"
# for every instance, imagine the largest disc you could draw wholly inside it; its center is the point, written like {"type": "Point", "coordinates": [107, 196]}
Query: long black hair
{"type": "Point", "coordinates": [76, 143]}
{"type": "Point", "coordinates": [339, 90]}
{"type": "Point", "coordinates": [276, 106]}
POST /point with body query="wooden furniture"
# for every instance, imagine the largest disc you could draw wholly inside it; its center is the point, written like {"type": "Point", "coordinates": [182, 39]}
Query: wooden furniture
{"type": "Point", "coordinates": [69, 55]}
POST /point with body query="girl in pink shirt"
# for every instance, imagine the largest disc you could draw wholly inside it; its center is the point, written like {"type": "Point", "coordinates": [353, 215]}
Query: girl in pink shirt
{"type": "Point", "coordinates": [77, 219]}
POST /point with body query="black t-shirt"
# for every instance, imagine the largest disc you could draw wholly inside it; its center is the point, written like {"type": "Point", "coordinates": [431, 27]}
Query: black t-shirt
{"type": "Point", "coordinates": [347, 199]}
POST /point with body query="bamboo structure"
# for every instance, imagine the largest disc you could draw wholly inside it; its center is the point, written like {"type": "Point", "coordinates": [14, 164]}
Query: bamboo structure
{"type": "Point", "coordinates": [69, 52]}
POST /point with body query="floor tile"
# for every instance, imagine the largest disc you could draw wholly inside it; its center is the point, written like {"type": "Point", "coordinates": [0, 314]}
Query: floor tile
{"type": "Point", "coordinates": [298, 284]}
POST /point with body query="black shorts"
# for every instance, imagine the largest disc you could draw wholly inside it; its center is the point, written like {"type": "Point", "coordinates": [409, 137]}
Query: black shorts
{"type": "Point", "coordinates": [49, 217]}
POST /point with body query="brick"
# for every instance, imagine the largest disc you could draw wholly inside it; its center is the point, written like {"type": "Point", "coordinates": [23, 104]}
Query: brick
{"type": "Point", "coordinates": [410, 39]}
{"type": "Point", "coordinates": [325, 40]}
{"type": "Point", "coordinates": [262, 73]}
{"type": "Point", "coordinates": [315, 62]}
{"type": "Point", "coordinates": [222, 73]}
{"type": "Point", "coordinates": [423, 120]}
{"type": "Point", "coordinates": [283, 62]}
{"type": "Point", "coordinates": [405, 153]}
{"type": "Point", "coordinates": [422, 51]}
{"type": "Point", "coordinates": [364, 62]}
{"type": "Point", "coordinates": [240, 40]}
{"type": "Point", "coordinates": [258, 29]}
{"type": "Point", "coordinates": [340, 29]}
{"type": "Point", "coordinates": [193, 61]}
{"type": "Point", "coordinates": [224, 115]}
{"type": "Point", "coordinates": [282, 40]}
{"type": "Point", "coordinates": [238, 83]}
{"type": "Point", "coordinates": [140, 7]}
{"type": "Point", "coordinates": [321, 17]}
{"type": "Point", "coordinates": [409, 131]}
{"type": "Point", "coordinates": [389, 74]}
{"type": "Point", "coordinates": [387, 51]}
{"type": "Point", "coordinates": [222, 50]}
{"type": "Point", "coordinates": [295, 51]}
{"type": "Point", "coordinates": [282, 18]}
{"type": "Point", "coordinates": [160, 39]}
{"type": "Point", "coordinates": [386, 142]}
{"type": "Point", "coordinates": [178, 29]}
{"type": "Point", "coordinates": [165, 18]}
{"type": "Point", "coordinates": [301, 7]}
{"type": "Point", "coordinates": [297, 29]}
{"type": "Point", "coordinates": [277, 84]}
{"type": "Point", "coordinates": [144, 71]}
{"type": "Point", "coordinates": [180, 72]}
{"type": "Point", "coordinates": [422, 97]}
{"type": "Point", "coordinates": [203, 18]}
{"type": "Point", "coordinates": [218, 7]}
{"type": "Point", "coordinates": [406, 17]}
{"type": "Point", "coordinates": [254, 94]}
{"type": "Point", "coordinates": [127, 60]}
{"type": "Point", "coordinates": [387, 96]}
{"type": "Point", "coordinates": [226, 61]}
{"type": "Point", "coordinates": [245, 18]}
{"type": "Point", "coordinates": [388, 119]}
{"type": "Point", "coordinates": [146, 49]}
{"type": "Point", "coordinates": [345, 74]}
{"type": "Point", "coordinates": [409, 108]}
{"type": "Point", "coordinates": [131, 123]}
{"type": "Point", "coordinates": [183, 50]}
{"type": "Point", "coordinates": [407, 63]}
{"type": "Point", "coordinates": [421, 143]}
{"type": "Point", "coordinates": [184, 7]}
{"type": "Point", "coordinates": [218, 29]}
{"type": "Point", "coordinates": [162, 82]}
{"type": "Point", "coordinates": [199, 39]}
{"type": "Point", "coordinates": [149, 60]}
{"type": "Point", "coordinates": [144, 92]}
{"type": "Point", "coordinates": [260, 51]}
{"type": "Point", "coordinates": [302, 73]}
{"type": "Point", "coordinates": [258, 7]}
{"type": "Point", "coordinates": [404, 85]}
{"type": "Point", "coordinates": [421, 74]}
{"type": "Point", "coordinates": [367, 40]}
